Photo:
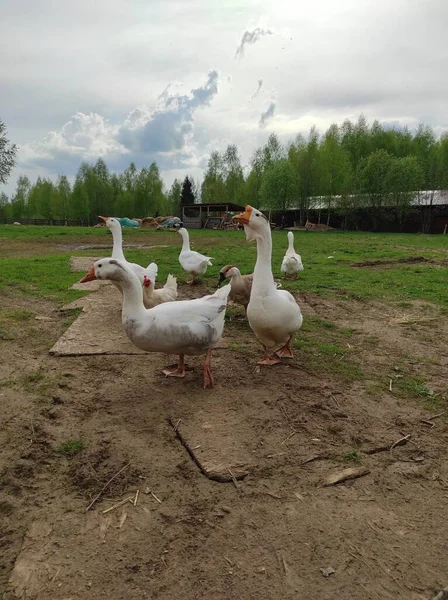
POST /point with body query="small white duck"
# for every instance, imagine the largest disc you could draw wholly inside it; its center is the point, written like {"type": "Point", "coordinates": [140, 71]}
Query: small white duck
{"type": "Point", "coordinates": [153, 297]}
{"type": "Point", "coordinates": [240, 285]}
{"type": "Point", "coordinates": [274, 315]}
{"type": "Point", "coordinates": [114, 226]}
{"type": "Point", "coordinates": [191, 261]}
{"type": "Point", "coordinates": [292, 262]}
{"type": "Point", "coordinates": [186, 327]}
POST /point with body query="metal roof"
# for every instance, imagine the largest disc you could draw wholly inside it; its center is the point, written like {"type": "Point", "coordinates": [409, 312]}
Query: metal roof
{"type": "Point", "coordinates": [217, 206]}
{"type": "Point", "coordinates": [423, 198]}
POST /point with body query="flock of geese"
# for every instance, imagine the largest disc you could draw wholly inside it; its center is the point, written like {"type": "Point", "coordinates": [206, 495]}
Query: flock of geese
{"type": "Point", "coordinates": [155, 321]}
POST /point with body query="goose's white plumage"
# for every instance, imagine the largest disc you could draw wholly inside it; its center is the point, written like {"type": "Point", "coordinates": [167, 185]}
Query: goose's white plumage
{"type": "Point", "coordinates": [149, 272]}
{"type": "Point", "coordinates": [153, 297]}
{"type": "Point", "coordinates": [191, 261]}
{"type": "Point", "coordinates": [274, 315]}
{"type": "Point", "coordinates": [292, 262]}
{"type": "Point", "coordinates": [186, 327]}
{"type": "Point", "coordinates": [114, 227]}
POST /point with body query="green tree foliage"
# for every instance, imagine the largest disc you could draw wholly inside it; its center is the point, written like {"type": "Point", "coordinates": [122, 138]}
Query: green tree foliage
{"type": "Point", "coordinates": [404, 177]}
{"type": "Point", "coordinates": [19, 201]}
{"type": "Point", "coordinates": [213, 186]}
{"type": "Point", "coordinates": [233, 174]}
{"type": "Point", "coordinates": [8, 153]}
{"type": "Point", "coordinates": [5, 206]}
{"type": "Point", "coordinates": [187, 195]}
{"type": "Point", "coordinates": [374, 182]}
{"type": "Point", "coordinates": [278, 188]}
{"type": "Point", "coordinates": [335, 168]}
{"type": "Point", "coordinates": [174, 198]}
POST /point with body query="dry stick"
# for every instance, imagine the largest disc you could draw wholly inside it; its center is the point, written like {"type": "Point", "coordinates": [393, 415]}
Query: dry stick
{"type": "Point", "coordinates": [118, 504]}
{"type": "Point", "coordinates": [429, 420]}
{"type": "Point", "coordinates": [195, 459]}
{"type": "Point", "coordinates": [155, 497]}
{"type": "Point", "coordinates": [235, 483]}
{"type": "Point", "coordinates": [334, 399]}
{"type": "Point", "coordinates": [106, 486]}
{"type": "Point", "coordinates": [442, 595]}
{"type": "Point", "coordinates": [399, 442]}
{"type": "Point", "coordinates": [436, 416]}
{"type": "Point", "coordinates": [289, 437]}
{"type": "Point", "coordinates": [136, 497]}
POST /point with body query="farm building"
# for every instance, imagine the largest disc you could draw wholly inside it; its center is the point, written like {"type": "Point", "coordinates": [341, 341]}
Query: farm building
{"type": "Point", "coordinates": [428, 212]}
{"type": "Point", "coordinates": [209, 216]}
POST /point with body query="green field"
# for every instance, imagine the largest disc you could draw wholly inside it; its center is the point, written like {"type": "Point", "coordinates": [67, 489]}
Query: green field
{"type": "Point", "coordinates": [35, 260]}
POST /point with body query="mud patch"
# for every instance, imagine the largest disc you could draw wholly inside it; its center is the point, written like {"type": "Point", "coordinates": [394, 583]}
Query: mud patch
{"type": "Point", "coordinates": [399, 261]}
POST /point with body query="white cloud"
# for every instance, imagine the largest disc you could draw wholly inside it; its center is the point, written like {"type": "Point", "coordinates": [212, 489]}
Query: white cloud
{"type": "Point", "coordinates": [110, 65]}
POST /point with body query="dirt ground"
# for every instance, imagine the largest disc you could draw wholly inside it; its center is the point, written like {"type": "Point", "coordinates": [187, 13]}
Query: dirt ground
{"type": "Point", "coordinates": [279, 532]}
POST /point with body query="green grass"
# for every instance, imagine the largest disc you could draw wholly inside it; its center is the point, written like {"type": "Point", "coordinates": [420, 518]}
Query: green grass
{"type": "Point", "coordinates": [323, 346]}
{"type": "Point", "coordinates": [353, 457]}
{"type": "Point", "coordinates": [405, 385]}
{"type": "Point", "coordinates": [48, 275]}
{"type": "Point", "coordinates": [71, 447]}
{"type": "Point", "coordinates": [10, 318]}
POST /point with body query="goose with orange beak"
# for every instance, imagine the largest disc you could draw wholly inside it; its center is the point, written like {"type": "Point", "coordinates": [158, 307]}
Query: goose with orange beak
{"type": "Point", "coordinates": [187, 327]}
{"type": "Point", "coordinates": [150, 272]}
{"type": "Point", "coordinates": [274, 315]}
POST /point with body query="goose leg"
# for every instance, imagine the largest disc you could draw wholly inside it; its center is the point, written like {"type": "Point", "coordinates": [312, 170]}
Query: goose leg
{"type": "Point", "coordinates": [285, 351]}
{"type": "Point", "coordinates": [179, 372]}
{"type": "Point", "coordinates": [208, 377]}
{"type": "Point", "coordinates": [268, 359]}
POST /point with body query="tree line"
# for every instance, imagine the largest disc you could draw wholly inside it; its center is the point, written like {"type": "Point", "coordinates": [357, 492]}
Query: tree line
{"type": "Point", "coordinates": [349, 167]}
{"type": "Point", "coordinates": [352, 167]}
{"type": "Point", "coordinates": [97, 191]}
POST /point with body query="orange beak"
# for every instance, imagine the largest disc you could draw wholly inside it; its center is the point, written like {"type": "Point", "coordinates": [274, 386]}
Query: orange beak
{"type": "Point", "coordinates": [89, 277]}
{"type": "Point", "coordinates": [104, 218]}
{"type": "Point", "coordinates": [244, 217]}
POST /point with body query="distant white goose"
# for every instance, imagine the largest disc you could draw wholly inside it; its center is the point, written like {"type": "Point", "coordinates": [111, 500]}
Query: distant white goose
{"type": "Point", "coordinates": [114, 226]}
{"type": "Point", "coordinates": [292, 262]}
{"type": "Point", "coordinates": [274, 315]}
{"type": "Point", "coordinates": [191, 261]}
{"type": "Point", "coordinates": [186, 327]}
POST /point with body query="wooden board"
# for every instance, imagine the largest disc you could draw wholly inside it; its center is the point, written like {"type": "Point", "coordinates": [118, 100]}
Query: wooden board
{"type": "Point", "coordinates": [98, 329]}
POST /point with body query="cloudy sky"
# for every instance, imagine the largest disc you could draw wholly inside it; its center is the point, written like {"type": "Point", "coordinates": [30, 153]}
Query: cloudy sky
{"type": "Point", "coordinates": [171, 80]}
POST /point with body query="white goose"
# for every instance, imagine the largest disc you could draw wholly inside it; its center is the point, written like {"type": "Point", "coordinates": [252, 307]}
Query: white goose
{"type": "Point", "coordinates": [114, 226]}
{"type": "Point", "coordinates": [274, 315]}
{"type": "Point", "coordinates": [292, 262]}
{"type": "Point", "coordinates": [186, 327]}
{"type": "Point", "coordinates": [191, 261]}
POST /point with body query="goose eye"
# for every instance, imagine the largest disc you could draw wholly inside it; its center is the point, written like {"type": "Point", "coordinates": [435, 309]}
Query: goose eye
{"type": "Point", "coordinates": [100, 265]}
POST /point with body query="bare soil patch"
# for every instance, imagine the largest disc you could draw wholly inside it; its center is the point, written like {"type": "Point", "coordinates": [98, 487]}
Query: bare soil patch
{"type": "Point", "coordinates": [399, 261]}
{"type": "Point", "coordinates": [279, 532]}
